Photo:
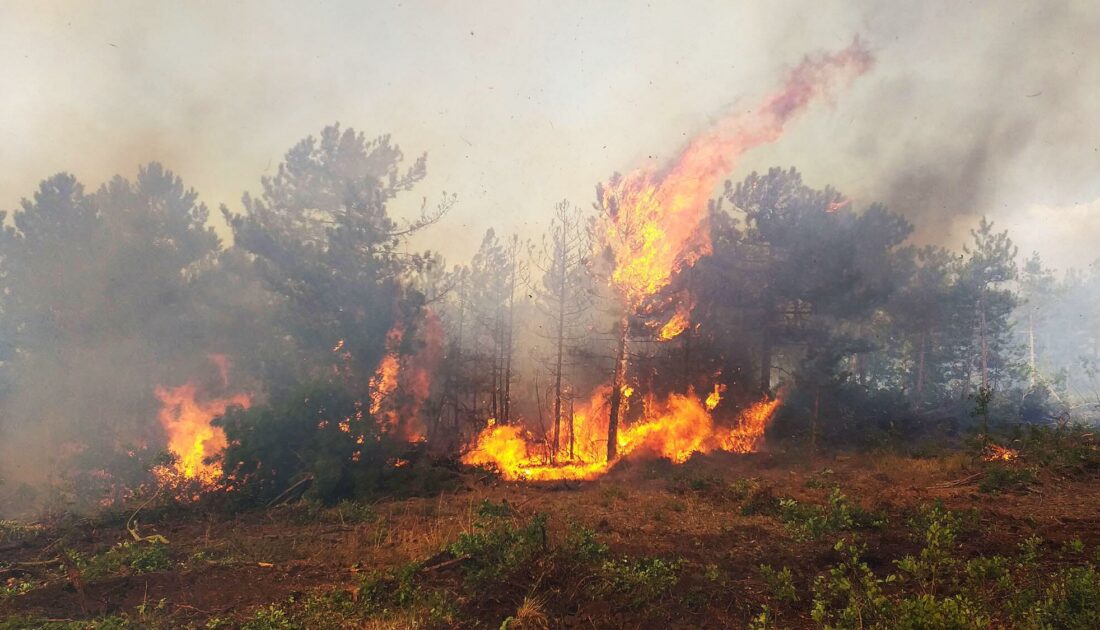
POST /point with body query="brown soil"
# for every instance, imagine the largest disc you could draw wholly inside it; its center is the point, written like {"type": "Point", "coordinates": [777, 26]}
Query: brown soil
{"type": "Point", "coordinates": [227, 567]}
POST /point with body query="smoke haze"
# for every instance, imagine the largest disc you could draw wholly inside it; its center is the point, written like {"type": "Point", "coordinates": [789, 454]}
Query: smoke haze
{"type": "Point", "coordinates": [970, 110]}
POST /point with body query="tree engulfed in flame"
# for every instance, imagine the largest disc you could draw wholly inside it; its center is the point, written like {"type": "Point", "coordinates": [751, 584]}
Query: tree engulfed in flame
{"type": "Point", "coordinates": [186, 418]}
{"type": "Point", "coordinates": [384, 381]}
{"type": "Point", "coordinates": [402, 382]}
{"type": "Point", "coordinates": [653, 226]}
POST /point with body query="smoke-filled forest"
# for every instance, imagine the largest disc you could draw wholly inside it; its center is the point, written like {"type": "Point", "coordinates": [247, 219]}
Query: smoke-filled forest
{"type": "Point", "coordinates": [718, 389]}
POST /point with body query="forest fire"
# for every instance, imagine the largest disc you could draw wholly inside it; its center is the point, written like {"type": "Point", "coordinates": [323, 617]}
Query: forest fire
{"type": "Point", "coordinates": [653, 227]}
{"type": "Point", "coordinates": [186, 418]}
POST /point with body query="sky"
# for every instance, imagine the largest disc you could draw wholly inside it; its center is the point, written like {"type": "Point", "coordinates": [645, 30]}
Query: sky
{"type": "Point", "coordinates": [972, 108]}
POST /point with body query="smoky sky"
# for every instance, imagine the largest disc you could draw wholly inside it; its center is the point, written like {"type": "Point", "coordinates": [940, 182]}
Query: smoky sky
{"type": "Point", "coordinates": [971, 109]}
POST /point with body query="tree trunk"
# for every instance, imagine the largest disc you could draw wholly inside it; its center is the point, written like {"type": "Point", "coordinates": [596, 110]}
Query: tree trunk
{"type": "Point", "coordinates": [1031, 377]}
{"type": "Point", "coordinates": [920, 366]}
{"type": "Point", "coordinates": [617, 391]}
{"type": "Point", "coordinates": [765, 362]}
{"type": "Point", "coordinates": [558, 362]}
{"type": "Point", "coordinates": [985, 351]}
{"type": "Point", "coordinates": [508, 344]}
{"type": "Point", "coordinates": [572, 427]}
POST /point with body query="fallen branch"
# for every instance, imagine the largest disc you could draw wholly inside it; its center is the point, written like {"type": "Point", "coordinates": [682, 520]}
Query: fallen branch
{"type": "Point", "coordinates": [288, 495]}
{"type": "Point", "coordinates": [132, 526]}
{"type": "Point", "coordinates": [445, 564]}
{"type": "Point", "coordinates": [14, 546]}
{"type": "Point", "coordinates": [958, 482]}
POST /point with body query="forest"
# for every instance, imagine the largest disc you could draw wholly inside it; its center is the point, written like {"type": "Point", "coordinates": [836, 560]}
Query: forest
{"type": "Point", "coordinates": [689, 400]}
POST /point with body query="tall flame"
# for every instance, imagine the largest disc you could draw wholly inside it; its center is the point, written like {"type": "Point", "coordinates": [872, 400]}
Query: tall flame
{"type": "Point", "coordinates": [654, 226]}
{"type": "Point", "coordinates": [402, 382]}
{"type": "Point", "coordinates": [186, 418]}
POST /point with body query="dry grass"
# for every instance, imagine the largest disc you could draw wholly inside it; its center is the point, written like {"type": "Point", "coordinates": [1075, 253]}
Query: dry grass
{"type": "Point", "coordinates": [531, 615]}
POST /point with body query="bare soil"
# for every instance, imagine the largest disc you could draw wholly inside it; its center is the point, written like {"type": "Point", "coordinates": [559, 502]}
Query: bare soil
{"type": "Point", "coordinates": [227, 567]}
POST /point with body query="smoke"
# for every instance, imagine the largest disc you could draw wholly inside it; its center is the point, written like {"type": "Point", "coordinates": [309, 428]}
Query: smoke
{"type": "Point", "coordinates": [969, 112]}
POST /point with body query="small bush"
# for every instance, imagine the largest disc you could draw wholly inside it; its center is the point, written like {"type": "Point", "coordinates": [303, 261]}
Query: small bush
{"type": "Point", "coordinates": [937, 558]}
{"type": "Point", "coordinates": [780, 583]}
{"type": "Point", "coordinates": [1071, 601]}
{"type": "Point", "coordinates": [497, 547]}
{"type": "Point", "coordinates": [130, 556]}
{"type": "Point", "coordinates": [269, 618]}
{"type": "Point", "coordinates": [810, 522]}
{"type": "Point", "coordinates": [640, 580]}
{"type": "Point", "coordinates": [1001, 478]}
{"type": "Point", "coordinates": [582, 546]}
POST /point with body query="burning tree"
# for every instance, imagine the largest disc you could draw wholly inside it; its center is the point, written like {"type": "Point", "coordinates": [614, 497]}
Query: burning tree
{"type": "Point", "coordinates": [652, 226]}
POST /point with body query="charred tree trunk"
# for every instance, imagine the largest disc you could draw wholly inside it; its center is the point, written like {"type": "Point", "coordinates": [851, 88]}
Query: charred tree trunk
{"type": "Point", "coordinates": [617, 392]}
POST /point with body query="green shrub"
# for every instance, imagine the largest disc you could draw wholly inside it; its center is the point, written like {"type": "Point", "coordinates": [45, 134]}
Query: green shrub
{"type": "Point", "coordinates": [640, 580]}
{"type": "Point", "coordinates": [810, 522]}
{"type": "Point", "coordinates": [582, 546]}
{"type": "Point", "coordinates": [129, 556]}
{"type": "Point", "coordinates": [1071, 601]}
{"type": "Point", "coordinates": [11, 531]}
{"type": "Point", "coordinates": [936, 560]}
{"type": "Point", "coordinates": [928, 612]}
{"type": "Point", "coordinates": [320, 430]}
{"type": "Point", "coordinates": [269, 618]}
{"type": "Point", "coordinates": [780, 583]}
{"type": "Point", "coordinates": [497, 547]}
{"type": "Point", "coordinates": [1000, 478]}
{"type": "Point", "coordinates": [849, 595]}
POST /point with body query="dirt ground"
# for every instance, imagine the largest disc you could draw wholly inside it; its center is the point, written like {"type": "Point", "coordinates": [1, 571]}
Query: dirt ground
{"type": "Point", "coordinates": [223, 569]}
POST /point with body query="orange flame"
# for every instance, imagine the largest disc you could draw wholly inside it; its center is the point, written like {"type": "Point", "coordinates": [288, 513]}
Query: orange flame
{"type": "Point", "coordinates": [715, 396]}
{"type": "Point", "coordinates": [676, 429]}
{"type": "Point", "coordinates": [384, 381]}
{"type": "Point", "coordinates": [655, 217]}
{"type": "Point", "coordinates": [191, 436]}
{"type": "Point", "coordinates": [678, 324]}
{"type": "Point", "coordinates": [995, 453]}
{"type": "Point", "coordinates": [402, 383]}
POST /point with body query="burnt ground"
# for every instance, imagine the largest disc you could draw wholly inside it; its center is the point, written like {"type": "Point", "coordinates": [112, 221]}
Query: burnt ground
{"type": "Point", "coordinates": [714, 519]}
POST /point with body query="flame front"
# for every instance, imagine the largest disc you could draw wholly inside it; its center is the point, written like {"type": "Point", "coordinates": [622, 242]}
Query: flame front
{"type": "Point", "coordinates": [186, 419]}
{"type": "Point", "coordinates": [675, 428]}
